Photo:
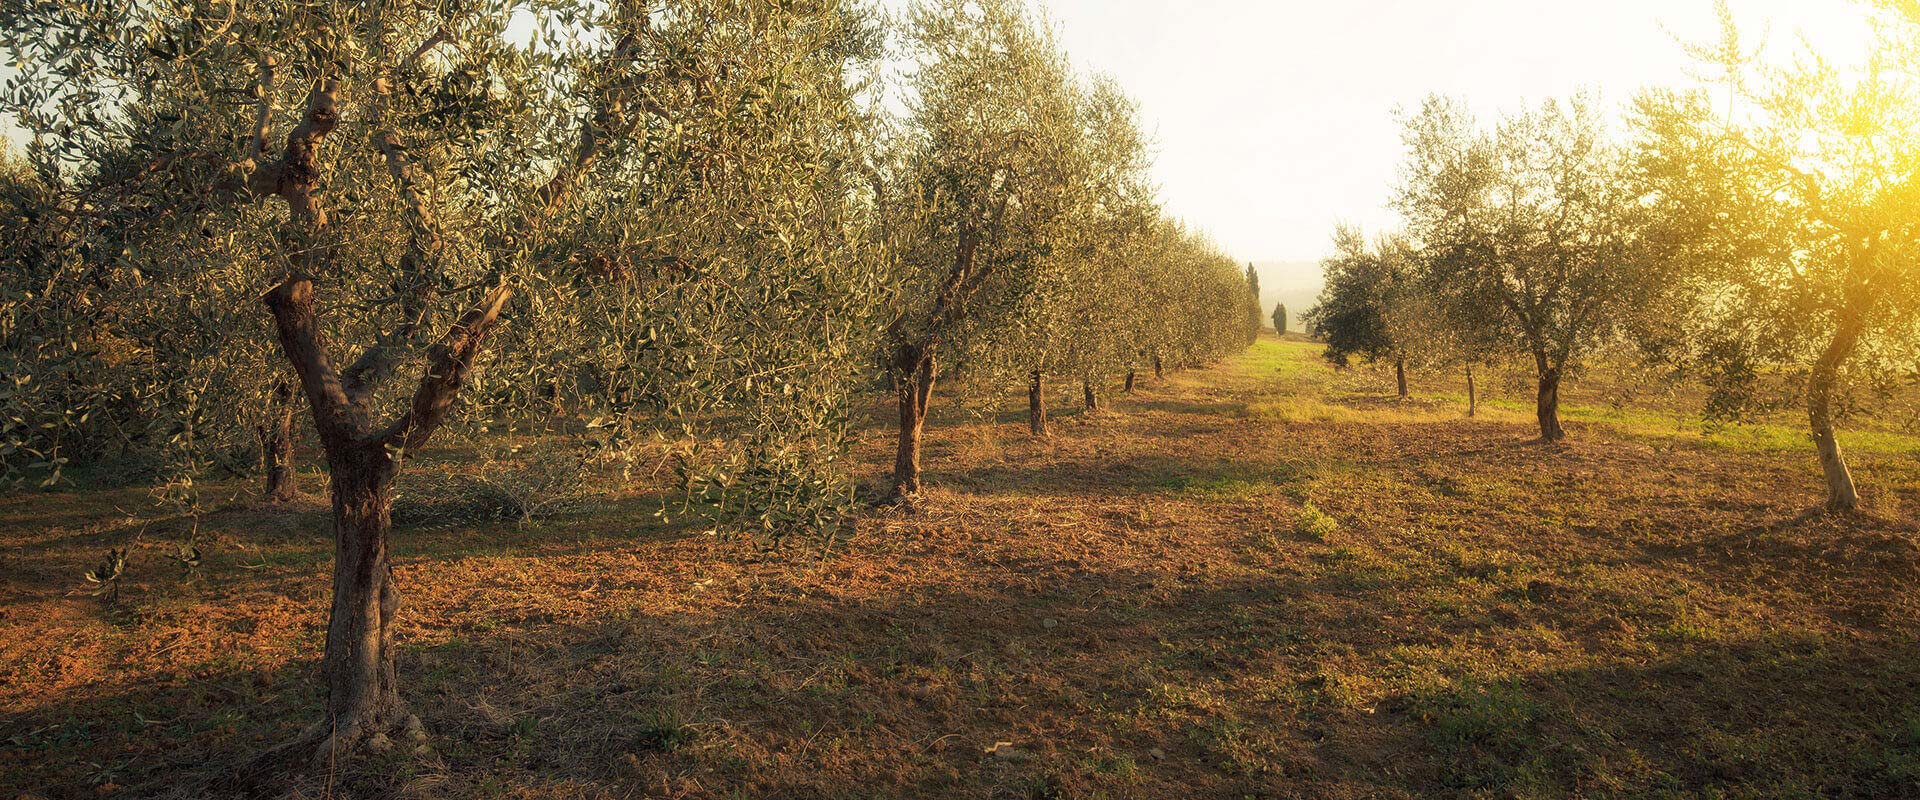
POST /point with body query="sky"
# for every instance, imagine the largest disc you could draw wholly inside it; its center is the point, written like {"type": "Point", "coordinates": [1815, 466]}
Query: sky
{"type": "Point", "coordinates": [1275, 118]}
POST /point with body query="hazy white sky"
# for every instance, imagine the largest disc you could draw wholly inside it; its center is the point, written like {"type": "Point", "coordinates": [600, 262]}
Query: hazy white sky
{"type": "Point", "coordinates": [1275, 118]}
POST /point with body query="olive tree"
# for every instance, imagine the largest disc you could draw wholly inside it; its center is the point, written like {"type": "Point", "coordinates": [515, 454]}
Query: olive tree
{"type": "Point", "coordinates": [1793, 195]}
{"type": "Point", "coordinates": [978, 195]}
{"type": "Point", "coordinates": [399, 91]}
{"type": "Point", "coordinates": [1538, 220]}
{"type": "Point", "coordinates": [1363, 309]}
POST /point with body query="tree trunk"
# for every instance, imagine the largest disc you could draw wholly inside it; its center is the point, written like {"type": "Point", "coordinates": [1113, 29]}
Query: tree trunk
{"type": "Point", "coordinates": [1036, 404]}
{"type": "Point", "coordinates": [913, 383]}
{"type": "Point", "coordinates": [1129, 389]}
{"type": "Point", "coordinates": [1400, 375]}
{"type": "Point", "coordinates": [1158, 372]}
{"type": "Point", "coordinates": [1473, 397]}
{"type": "Point", "coordinates": [1547, 405]}
{"type": "Point", "coordinates": [363, 699]}
{"type": "Point", "coordinates": [276, 444]}
{"type": "Point", "coordinates": [1822, 385]}
{"type": "Point", "coordinates": [1093, 399]}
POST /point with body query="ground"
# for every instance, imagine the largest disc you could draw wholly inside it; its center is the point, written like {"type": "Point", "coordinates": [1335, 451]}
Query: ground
{"type": "Point", "coordinates": [1260, 579]}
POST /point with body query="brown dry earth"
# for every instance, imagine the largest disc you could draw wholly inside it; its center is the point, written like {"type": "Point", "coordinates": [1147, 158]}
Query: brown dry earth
{"type": "Point", "coordinates": [1140, 606]}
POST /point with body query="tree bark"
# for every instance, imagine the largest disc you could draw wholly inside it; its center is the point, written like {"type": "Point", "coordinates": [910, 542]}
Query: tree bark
{"type": "Point", "coordinates": [1158, 372]}
{"type": "Point", "coordinates": [1822, 385]}
{"type": "Point", "coordinates": [363, 699]}
{"type": "Point", "coordinates": [1473, 397]}
{"type": "Point", "coordinates": [1036, 404]}
{"type": "Point", "coordinates": [913, 385]}
{"type": "Point", "coordinates": [1129, 389]}
{"type": "Point", "coordinates": [276, 444]}
{"type": "Point", "coordinates": [1400, 376]}
{"type": "Point", "coordinates": [1547, 404]}
{"type": "Point", "coordinates": [1092, 397]}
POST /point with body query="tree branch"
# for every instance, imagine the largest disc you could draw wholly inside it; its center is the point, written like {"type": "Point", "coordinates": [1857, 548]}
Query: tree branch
{"type": "Point", "coordinates": [296, 319]}
{"type": "Point", "coordinates": [450, 363]}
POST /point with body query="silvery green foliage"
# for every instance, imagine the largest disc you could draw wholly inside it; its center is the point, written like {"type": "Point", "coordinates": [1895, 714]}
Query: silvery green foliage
{"type": "Point", "coordinates": [717, 284]}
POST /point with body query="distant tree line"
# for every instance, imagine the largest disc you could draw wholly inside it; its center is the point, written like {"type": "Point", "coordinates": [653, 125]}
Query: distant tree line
{"type": "Point", "coordinates": [1756, 236]}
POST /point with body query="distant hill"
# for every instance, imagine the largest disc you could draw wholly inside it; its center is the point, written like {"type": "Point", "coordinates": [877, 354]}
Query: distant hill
{"type": "Point", "coordinates": [1296, 283]}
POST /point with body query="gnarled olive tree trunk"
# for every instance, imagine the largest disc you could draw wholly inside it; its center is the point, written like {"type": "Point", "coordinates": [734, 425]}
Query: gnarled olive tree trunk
{"type": "Point", "coordinates": [1473, 396]}
{"type": "Point", "coordinates": [1036, 404]}
{"type": "Point", "coordinates": [1823, 384]}
{"type": "Point", "coordinates": [1129, 387]}
{"type": "Point", "coordinates": [276, 444]}
{"type": "Point", "coordinates": [364, 708]}
{"type": "Point", "coordinates": [1400, 376]}
{"type": "Point", "coordinates": [913, 386]}
{"type": "Point", "coordinates": [1547, 403]}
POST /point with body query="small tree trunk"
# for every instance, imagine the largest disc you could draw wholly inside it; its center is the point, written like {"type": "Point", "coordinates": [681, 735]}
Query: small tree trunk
{"type": "Point", "coordinates": [1093, 399]}
{"type": "Point", "coordinates": [1158, 372]}
{"type": "Point", "coordinates": [1547, 405]}
{"type": "Point", "coordinates": [1400, 375]}
{"type": "Point", "coordinates": [1473, 397]}
{"type": "Point", "coordinates": [1036, 404]}
{"type": "Point", "coordinates": [276, 444]}
{"type": "Point", "coordinates": [913, 383]}
{"type": "Point", "coordinates": [1822, 384]}
{"type": "Point", "coordinates": [1129, 389]}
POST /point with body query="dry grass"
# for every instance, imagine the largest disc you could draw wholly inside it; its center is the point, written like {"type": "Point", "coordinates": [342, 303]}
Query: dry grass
{"type": "Point", "coordinates": [1141, 606]}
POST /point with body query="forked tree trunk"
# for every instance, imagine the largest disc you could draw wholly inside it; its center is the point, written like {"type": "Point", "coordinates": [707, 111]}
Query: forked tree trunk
{"type": "Point", "coordinates": [276, 444]}
{"type": "Point", "coordinates": [1092, 398]}
{"type": "Point", "coordinates": [364, 709]}
{"type": "Point", "coordinates": [1400, 376]}
{"type": "Point", "coordinates": [1036, 404]}
{"type": "Point", "coordinates": [1822, 385]}
{"type": "Point", "coordinates": [1473, 397]}
{"type": "Point", "coordinates": [1547, 404]}
{"type": "Point", "coordinates": [913, 387]}
{"type": "Point", "coordinates": [1129, 389]}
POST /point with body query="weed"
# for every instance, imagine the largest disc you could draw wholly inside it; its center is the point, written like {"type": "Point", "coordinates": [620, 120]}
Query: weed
{"type": "Point", "coordinates": [1316, 524]}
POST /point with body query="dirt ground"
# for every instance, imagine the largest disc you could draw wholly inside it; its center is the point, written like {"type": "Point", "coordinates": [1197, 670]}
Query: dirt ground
{"type": "Point", "coordinates": [1262, 579]}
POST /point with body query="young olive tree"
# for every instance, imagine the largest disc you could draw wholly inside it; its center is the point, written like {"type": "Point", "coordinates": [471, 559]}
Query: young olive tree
{"type": "Point", "coordinates": [1794, 199]}
{"type": "Point", "coordinates": [1539, 219]}
{"type": "Point", "coordinates": [1364, 309]}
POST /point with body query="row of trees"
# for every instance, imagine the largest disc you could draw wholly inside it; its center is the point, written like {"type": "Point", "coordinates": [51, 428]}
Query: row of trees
{"type": "Point", "coordinates": [1758, 231]}
{"type": "Point", "coordinates": [692, 221]}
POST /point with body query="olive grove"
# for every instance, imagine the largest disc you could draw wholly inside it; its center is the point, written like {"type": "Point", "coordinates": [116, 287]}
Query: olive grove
{"type": "Point", "coordinates": [687, 225]}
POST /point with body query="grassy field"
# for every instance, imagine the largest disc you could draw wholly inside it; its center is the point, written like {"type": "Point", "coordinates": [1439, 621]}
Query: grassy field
{"type": "Point", "coordinates": [1264, 579]}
